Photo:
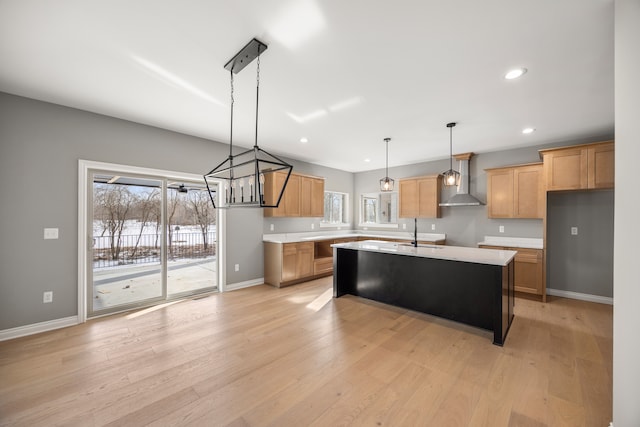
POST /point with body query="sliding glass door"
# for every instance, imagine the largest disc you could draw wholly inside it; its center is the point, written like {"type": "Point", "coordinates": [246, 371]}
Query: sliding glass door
{"type": "Point", "coordinates": [191, 239]}
{"type": "Point", "coordinates": [151, 238]}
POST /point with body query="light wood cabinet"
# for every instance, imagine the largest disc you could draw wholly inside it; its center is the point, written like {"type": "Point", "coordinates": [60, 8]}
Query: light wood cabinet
{"type": "Point", "coordinates": [287, 263]}
{"type": "Point", "coordinates": [579, 167]}
{"type": "Point", "coordinates": [528, 270]}
{"type": "Point", "coordinates": [311, 197]}
{"type": "Point", "coordinates": [303, 196]}
{"type": "Point", "coordinates": [420, 197]}
{"type": "Point", "coordinates": [515, 192]}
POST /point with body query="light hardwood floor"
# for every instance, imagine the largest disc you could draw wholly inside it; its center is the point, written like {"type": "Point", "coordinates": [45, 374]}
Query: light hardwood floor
{"type": "Point", "coordinates": [295, 357]}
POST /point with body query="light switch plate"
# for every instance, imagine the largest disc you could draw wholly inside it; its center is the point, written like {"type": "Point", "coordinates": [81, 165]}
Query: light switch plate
{"type": "Point", "coordinates": [574, 231]}
{"type": "Point", "coordinates": [47, 297]}
{"type": "Point", "coordinates": [50, 233]}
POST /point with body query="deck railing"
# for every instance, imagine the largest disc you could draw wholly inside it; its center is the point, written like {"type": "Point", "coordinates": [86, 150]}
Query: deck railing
{"type": "Point", "coordinates": [145, 248]}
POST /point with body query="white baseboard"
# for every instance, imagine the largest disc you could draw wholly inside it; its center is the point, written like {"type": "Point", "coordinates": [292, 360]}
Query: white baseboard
{"type": "Point", "coordinates": [245, 284]}
{"type": "Point", "coordinates": [580, 296]}
{"type": "Point", "coordinates": [36, 328]}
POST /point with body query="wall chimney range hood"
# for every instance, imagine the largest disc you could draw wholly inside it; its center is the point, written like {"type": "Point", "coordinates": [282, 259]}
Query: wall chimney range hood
{"type": "Point", "coordinates": [462, 196]}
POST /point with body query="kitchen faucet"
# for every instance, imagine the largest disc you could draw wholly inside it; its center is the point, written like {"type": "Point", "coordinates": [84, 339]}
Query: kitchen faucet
{"type": "Point", "coordinates": [415, 233]}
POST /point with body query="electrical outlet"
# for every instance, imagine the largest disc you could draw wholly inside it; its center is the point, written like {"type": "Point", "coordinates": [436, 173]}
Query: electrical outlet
{"type": "Point", "coordinates": [501, 229]}
{"type": "Point", "coordinates": [574, 231]}
{"type": "Point", "coordinates": [237, 267]}
{"type": "Point", "coordinates": [433, 227]}
{"type": "Point", "coordinates": [271, 227]}
{"type": "Point", "coordinates": [313, 226]}
{"type": "Point", "coordinates": [47, 297]}
{"type": "Point", "coordinates": [404, 226]}
{"type": "Point", "coordinates": [50, 233]}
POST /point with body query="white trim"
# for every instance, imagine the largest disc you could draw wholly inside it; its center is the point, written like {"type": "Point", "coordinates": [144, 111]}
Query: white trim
{"type": "Point", "coordinates": [245, 284]}
{"type": "Point", "coordinates": [580, 296]}
{"type": "Point", "coordinates": [36, 328]}
{"type": "Point", "coordinates": [338, 225]}
{"type": "Point", "coordinates": [366, 225]}
{"type": "Point", "coordinates": [83, 239]}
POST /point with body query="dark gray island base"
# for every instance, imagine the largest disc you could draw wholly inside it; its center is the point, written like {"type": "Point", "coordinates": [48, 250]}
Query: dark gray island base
{"type": "Point", "coordinates": [421, 279]}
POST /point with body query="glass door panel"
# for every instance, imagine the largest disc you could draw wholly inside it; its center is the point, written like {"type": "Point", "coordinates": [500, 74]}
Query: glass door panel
{"type": "Point", "coordinates": [191, 239]}
{"type": "Point", "coordinates": [127, 241]}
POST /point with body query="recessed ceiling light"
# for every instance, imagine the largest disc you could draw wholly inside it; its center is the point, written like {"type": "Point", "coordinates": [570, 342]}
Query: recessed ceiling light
{"type": "Point", "coordinates": [304, 140]}
{"type": "Point", "coordinates": [528, 130]}
{"type": "Point", "coordinates": [515, 73]}
{"type": "Point", "coordinates": [367, 160]}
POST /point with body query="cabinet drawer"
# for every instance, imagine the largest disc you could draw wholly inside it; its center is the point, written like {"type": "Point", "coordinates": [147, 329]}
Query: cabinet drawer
{"type": "Point", "coordinates": [322, 265]}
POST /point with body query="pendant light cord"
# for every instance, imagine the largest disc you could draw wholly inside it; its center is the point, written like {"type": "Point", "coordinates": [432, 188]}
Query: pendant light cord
{"type": "Point", "coordinates": [387, 164]}
{"type": "Point", "coordinates": [451, 148]}
{"type": "Point", "coordinates": [231, 131]}
{"type": "Point", "coordinates": [257, 94]}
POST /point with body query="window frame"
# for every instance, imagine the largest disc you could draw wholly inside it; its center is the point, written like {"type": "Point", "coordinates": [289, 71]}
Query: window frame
{"type": "Point", "coordinates": [346, 212]}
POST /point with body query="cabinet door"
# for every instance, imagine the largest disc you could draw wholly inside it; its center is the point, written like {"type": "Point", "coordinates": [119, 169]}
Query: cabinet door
{"type": "Point", "coordinates": [528, 271]}
{"type": "Point", "coordinates": [408, 190]}
{"type": "Point", "coordinates": [304, 261]}
{"type": "Point", "coordinates": [566, 169]}
{"type": "Point", "coordinates": [528, 192]}
{"type": "Point", "coordinates": [274, 181]}
{"type": "Point", "coordinates": [291, 198]}
{"type": "Point", "coordinates": [289, 261]}
{"type": "Point", "coordinates": [500, 193]}
{"type": "Point", "coordinates": [601, 166]}
{"type": "Point", "coordinates": [311, 197]}
{"type": "Point", "coordinates": [317, 198]}
{"type": "Point", "coordinates": [429, 197]}
{"type": "Point", "coordinates": [306, 186]}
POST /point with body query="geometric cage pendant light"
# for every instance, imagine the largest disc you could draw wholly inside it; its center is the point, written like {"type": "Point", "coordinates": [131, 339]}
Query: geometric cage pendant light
{"type": "Point", "coordinates": [451, 177]}
{"type": "Point", "coordinates": [253, 178]}
{"type": "Point", "coordinates": [386, 183]}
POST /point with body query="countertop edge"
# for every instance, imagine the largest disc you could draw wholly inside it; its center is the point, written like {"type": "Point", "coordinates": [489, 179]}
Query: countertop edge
{"type": "Point", "coordinates": [449, 253]}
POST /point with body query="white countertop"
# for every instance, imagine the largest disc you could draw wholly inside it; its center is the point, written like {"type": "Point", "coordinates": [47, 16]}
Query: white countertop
{"type": "Point", "coordinates": [451, 253]}
{"type": "Point", "coordinates": [306, 237]}
{"type": "Point", "coordinates": [512, 242]}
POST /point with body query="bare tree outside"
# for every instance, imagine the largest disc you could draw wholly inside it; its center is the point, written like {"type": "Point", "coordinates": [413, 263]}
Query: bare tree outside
{"type": "Point", "coordinates": [112, 206]}
{"type": "Point", "coordinates": [147, 207]}
{"type": "Point", "coordinates": [204, 213]}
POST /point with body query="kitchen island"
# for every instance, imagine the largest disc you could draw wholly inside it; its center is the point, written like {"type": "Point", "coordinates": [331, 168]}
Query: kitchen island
{"type": "Point", "coordinates": [468, 285]}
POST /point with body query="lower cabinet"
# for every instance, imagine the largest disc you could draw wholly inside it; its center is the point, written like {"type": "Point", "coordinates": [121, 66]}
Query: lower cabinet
{"type": "Point", "coordinates": [529, 270]}
{"type": "Point", "coordinates": [287, 263]}
{"type": "Point", "coordinates": [290, 263]}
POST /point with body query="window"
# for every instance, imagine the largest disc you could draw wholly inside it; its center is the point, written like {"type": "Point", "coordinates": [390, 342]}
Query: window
{"type": "Point", "coordinates": [379, 210]}
{"type": "Point", "coordinates": [336, 210]}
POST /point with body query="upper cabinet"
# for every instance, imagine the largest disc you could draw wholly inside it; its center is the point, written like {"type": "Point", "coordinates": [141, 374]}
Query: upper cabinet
{"type": "Point", "coordinates": [579, 167]}
{"type": "Point", "coordinates": [303, 196]}
{"type": "Point", "coordinates": [515, 191]}
{"type": "Point", "coordinates": [420, 197]}
{"type": "Point", "coordinates": [311, 196]}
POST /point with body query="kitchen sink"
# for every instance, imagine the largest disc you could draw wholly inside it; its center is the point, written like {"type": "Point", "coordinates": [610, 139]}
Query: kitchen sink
{"type": "Point", "coordinates": [421, 246]}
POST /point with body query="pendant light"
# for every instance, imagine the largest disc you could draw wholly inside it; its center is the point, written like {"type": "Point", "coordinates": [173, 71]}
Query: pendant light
{"type": "Point", "coordinates": [247, 175]}
{"type": "Point", "coordinates": [386, 183]}
{"type": "Point", "coordinates": [451, 177]}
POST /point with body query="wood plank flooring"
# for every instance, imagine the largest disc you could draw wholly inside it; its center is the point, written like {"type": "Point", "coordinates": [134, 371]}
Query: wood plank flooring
{"type": "Point", "coordinates": [294, 356]}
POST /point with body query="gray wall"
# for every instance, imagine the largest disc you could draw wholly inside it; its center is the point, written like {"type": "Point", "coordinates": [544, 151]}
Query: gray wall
{"type": "Point", "coordinates": [40, 144]}
{"type": "Point", "coordinates": [626, 316]}
{"type": "Point", "coordinates": [466, 225]}
{"type": "Point", "coordinates": [583, 262]}
{"type": "Point", "coordinates": [335, 180]}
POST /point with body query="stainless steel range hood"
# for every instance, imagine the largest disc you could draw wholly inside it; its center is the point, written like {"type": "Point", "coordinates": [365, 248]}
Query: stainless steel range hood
{"type": "Point", "coordinates": [462, 196]}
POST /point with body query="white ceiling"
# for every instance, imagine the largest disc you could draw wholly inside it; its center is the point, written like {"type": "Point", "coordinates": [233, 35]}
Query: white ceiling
{"type": "Point", "coordinates": [343, 73]}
